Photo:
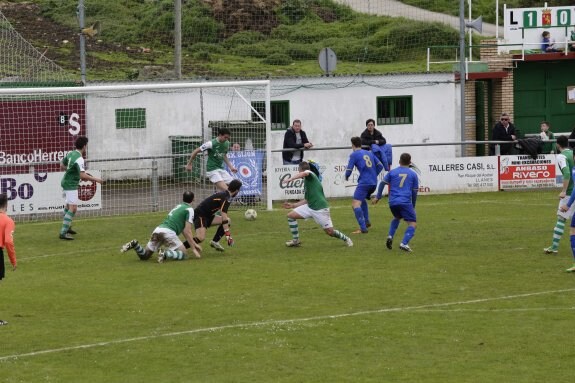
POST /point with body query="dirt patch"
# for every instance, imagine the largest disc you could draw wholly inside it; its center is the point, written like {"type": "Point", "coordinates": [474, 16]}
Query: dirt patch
{"type": "Point", "coordinates": [246, 15]}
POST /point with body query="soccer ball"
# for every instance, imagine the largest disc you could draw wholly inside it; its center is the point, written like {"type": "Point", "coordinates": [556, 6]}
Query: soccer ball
{"type": "Point", "coordinates": [250, 214]}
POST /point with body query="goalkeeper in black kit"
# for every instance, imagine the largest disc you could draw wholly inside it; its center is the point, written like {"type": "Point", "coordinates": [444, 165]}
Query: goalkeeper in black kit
{"type": "Point", "coordinates": [214, 211]}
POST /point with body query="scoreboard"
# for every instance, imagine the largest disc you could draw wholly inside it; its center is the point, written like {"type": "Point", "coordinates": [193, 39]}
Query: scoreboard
{"type": "Point", "coordinates": [525, 26]}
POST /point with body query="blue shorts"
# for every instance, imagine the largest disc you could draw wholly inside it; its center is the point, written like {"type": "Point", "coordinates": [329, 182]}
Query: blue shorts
{"type": "Point", "coordinates": [363, 192]}
{"type": "Point", "coordinates": [407, 212]}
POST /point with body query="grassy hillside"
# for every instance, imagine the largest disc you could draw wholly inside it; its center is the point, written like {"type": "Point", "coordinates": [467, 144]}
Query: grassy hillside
{"type": "Point", "coordinates": [243, 38]}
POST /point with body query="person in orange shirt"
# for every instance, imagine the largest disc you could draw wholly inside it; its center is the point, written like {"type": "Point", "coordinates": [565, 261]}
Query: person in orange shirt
{"type": "Point", "coordinates": [6, 239]}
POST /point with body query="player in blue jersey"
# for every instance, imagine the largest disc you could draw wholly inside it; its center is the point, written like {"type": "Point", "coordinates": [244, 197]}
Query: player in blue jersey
{"type": "Point", "coordinates": [566, 208]}
{"type": "Point", "coordinates": [369, 167]}
{"type": "Point", "coordinates": [403, 185]}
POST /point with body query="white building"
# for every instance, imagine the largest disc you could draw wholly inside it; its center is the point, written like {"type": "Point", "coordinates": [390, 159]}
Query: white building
{"type": "Point", "coordinates": [408, 108]}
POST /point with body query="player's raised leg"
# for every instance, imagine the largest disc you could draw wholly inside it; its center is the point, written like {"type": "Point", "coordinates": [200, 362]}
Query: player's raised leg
{"type": "Point", "coordinates": [143, 253]}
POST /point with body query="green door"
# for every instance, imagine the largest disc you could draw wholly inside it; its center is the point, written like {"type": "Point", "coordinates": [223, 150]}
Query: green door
{"type": "Point", "coordinates": [540, 94]}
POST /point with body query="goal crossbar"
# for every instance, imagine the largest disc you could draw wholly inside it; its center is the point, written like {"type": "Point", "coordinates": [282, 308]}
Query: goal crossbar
{"type": "Point", "coordinates": [130, 87]}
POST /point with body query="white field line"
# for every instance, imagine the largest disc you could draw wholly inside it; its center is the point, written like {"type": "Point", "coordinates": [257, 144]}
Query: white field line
{"type": "Point", "coordinates": [495, 310]}
{"type": "Point", "coordinates": [280, 322]}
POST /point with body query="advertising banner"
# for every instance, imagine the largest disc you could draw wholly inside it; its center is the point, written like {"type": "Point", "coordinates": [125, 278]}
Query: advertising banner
{"type": "Point", "coordinates": [523, 172]}
{"type": "Point", "coordinates": [458, 175]}
{"type": "Point", "coordinates": [249, 164]}
{"type": "Point", "coordinates": [38, 131]}
{"type": "Point", "coordinates": [452, 175]}
{"type": "Point", "coordinates": [39, 193]}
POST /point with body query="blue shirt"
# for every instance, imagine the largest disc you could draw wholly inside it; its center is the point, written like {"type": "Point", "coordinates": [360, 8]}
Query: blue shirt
{"type": "Point", "coordinates": [545, 43]}
{"type": "Point", "coordinates": [403, 184]}
{"type": "Point", "coordinates": [367, 165]}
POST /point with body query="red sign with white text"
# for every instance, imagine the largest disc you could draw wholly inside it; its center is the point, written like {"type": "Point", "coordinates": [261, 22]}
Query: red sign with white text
{"type": "Point", "coordinates": [33, 131]}
{"type": "Point", "coordinates": [524, 172]}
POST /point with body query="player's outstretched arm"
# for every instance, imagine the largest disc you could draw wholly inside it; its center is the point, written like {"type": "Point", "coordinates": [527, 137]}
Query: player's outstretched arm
{"type": "Point", "coordinates": [293, 205]}
{"type": "Point", "coordinates": [88, 177]}
{"type": "Point", "coordinates": [230, 165]}
{"type": "Point", "coordinates": [379, 194]}
{"type": "Point", "coordinates": [297, 176]}
{"type": "Point", "coordinates": [190, 163]}
{"type": "Point", "coordinates": [189, 235]}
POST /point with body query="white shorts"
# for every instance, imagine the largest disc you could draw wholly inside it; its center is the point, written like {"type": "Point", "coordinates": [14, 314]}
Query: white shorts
{"type": "Point", "coordinates": [321, 217]}
{"type": "Point", "coordinates": [162, 236]}
{"type": "Point", "coordinates": [71, 196]}
{"type": "Point", "coordinates": [567, 214]}
{"type": "Point", "coordinates": [219, 175]}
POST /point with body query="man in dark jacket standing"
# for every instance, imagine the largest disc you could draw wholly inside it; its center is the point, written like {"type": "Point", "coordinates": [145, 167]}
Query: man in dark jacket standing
{"type": "Point", "coordinates": [295, 138]}
{"type": "Point", "coordinates": [503, 130]}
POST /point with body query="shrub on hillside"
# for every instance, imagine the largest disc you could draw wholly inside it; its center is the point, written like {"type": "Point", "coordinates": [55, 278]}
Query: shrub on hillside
{"type": "Point", "coordinates": [422, 35]}
{"type": "Point", "coordinates": [243, 38]}
{"type": "Point", "coordinates": [260, 50]}
{"type": "Point", "coordinates": [206, 47]}
{"type": "Point", "coordinates": [277, 59]}
{"type": "Point", "coordinates": [301, 51]}
{"type": "Point", "coordinates": [308, 32]}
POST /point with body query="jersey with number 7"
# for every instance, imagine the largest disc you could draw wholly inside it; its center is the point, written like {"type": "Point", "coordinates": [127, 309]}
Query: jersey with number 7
{"type": "Point", "coordinates": [403, 184]}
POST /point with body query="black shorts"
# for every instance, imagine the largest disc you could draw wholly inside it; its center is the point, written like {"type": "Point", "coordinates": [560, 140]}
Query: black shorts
{"type": "Point", "coordinates": [202, 220]}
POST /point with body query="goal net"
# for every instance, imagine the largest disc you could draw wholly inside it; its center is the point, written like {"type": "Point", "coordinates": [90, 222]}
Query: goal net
{"type": "Point", "coordinates": [140, 139]}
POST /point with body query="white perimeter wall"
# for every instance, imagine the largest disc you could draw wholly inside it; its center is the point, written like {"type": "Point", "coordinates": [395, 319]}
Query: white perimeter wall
{"type": "Point", "coordinates": [332, 109]}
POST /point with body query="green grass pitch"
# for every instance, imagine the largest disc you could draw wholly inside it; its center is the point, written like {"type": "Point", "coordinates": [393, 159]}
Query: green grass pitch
{"type": "Point", "coordinates": [477, 300]}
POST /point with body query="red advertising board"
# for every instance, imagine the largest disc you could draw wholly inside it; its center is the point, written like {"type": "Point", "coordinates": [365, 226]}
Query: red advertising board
{"type": "Point", "coordinates": [43, 130]}
{"type": "Point", "coordinates": [524, 172]}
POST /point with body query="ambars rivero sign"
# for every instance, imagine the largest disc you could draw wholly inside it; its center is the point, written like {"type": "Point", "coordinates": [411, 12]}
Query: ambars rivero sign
{"type": "Point", "coordinates": [525, 172]}
{"type": "Point", "coordinates": [34, 131]}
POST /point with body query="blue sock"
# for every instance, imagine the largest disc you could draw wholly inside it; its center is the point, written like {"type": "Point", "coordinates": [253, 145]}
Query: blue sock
{"type": "Point", "coordinates": [573, 245]}
{"type": "Point", "coordinates": [409, 233]}
{"type": "Point", "coordinates": [365, 210]}
{"type": "Point", "coordinates": [393, 227]}
{"type": "Point", "coordinates": [360, 219]}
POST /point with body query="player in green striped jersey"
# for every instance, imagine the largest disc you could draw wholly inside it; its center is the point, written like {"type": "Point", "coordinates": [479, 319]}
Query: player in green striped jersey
{"type": "Point", "coordinates": [217, 150]}
{"type": "Point", "coordinates": [566, 164]}
{"type": "Point", "coordinates": [180, 220]}
{"type": "Point", "coordinates": [73, 166]}
{"type": "Point", "coordinates": [314, 205]}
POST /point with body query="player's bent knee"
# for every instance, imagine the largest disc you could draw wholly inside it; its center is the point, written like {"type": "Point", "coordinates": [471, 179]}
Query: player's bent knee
{"type": "Point", "coordinates": [329, 231]}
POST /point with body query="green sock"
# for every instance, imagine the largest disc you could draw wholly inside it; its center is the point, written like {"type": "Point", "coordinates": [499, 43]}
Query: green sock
{"type": "Point", "coordinates": [175, 254]}
{"type": "Point", "coordinates": [67, 222]}
{"type": "Point", "coordinates": [293, 227]}
{"type": "Point", "coordinates": [558, 232]}
{"type": "Point", "coordinates": [139, 249]}
{"type": "Point", "coordinates": [340, 235]}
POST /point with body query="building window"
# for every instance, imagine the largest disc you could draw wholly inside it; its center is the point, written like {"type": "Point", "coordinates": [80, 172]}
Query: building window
{"type": "Point", "coordinates": [279, 112]}
{"type": "Point", "coordinates": [394, 110]}
{"type": "Point", "coordinates": [131, 118]}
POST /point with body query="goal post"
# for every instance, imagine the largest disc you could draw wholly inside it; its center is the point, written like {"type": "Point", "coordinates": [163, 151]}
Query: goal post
{"type": "Point", "coordinates": [140, 139]}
